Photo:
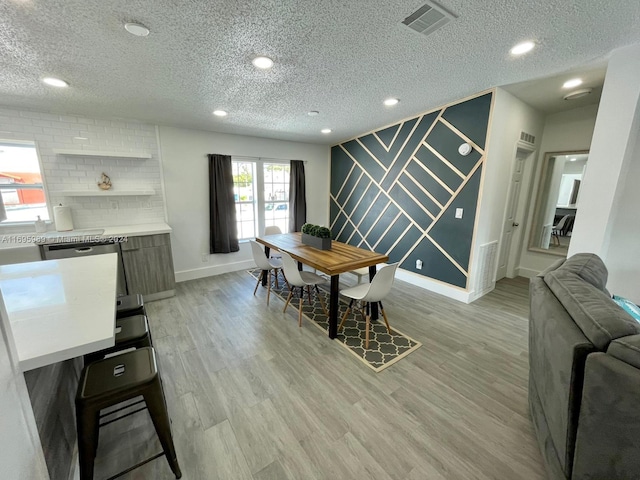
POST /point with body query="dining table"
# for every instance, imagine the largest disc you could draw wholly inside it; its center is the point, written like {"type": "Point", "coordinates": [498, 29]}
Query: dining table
{"type": "Point", "coordinates": [341, 258]}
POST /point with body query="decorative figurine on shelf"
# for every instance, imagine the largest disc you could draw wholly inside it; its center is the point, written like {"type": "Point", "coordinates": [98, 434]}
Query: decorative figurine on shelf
{"type": "Point", "coordinates": [105, 182]}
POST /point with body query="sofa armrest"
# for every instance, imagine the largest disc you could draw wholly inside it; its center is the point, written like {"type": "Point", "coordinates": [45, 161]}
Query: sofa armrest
{"type": "Point", "coordinates": [626, 349]}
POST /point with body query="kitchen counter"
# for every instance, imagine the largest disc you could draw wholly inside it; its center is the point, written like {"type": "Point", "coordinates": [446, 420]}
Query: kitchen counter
{"type": "Point", "coordinates": [59, 309]}
{"type": "Point", "coordinates": [22, 240]}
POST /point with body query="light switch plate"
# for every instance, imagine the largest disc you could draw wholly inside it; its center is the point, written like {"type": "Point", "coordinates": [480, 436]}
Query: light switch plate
{"type": "Point", "coordinates": [459, 212]}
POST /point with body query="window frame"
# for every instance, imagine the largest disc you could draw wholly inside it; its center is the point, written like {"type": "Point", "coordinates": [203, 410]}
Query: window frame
{"type": "Point", "coordinates": [39, 186]}
{"type": "Point", "coordinates": [258, 185]}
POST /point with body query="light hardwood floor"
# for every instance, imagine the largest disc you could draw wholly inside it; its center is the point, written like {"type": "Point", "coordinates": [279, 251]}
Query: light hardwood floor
{"type": "Point", "coordinates": [252, 396]}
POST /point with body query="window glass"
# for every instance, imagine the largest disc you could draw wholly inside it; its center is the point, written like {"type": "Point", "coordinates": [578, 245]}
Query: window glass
{"type": "Point", "coordinates": [276, 195]}
{"type": "Point", "coordinates": [244, 193]}
{"type": "Point", "coordinates": [21, 187]}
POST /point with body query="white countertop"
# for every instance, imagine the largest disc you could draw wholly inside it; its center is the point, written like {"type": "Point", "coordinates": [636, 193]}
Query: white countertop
{"type": "Point", "coordinates": [19, 240]}
{"type": "Point", "coordinates": [60, 309]}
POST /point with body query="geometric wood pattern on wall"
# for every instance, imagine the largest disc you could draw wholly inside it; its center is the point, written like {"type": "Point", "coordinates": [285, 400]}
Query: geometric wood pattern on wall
{"type": "Point", "coordinates": [396, 190]}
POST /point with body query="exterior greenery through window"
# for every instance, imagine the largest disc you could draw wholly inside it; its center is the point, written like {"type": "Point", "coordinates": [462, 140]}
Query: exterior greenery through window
{"type": "Point", "coordinates": [271, 208]}
{"type": "Point", "coordinates": [21, 188]}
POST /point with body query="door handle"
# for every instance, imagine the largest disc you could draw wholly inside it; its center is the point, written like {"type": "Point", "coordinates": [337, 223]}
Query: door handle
{"type": "Point", "coordinates": [84, 250]}
{"type": "Point", "coordinates": [516, 224]}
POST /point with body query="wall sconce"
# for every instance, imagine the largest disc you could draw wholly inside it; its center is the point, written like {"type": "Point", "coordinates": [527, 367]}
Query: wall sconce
{"type": "Point", "coordinates": [465, 149]}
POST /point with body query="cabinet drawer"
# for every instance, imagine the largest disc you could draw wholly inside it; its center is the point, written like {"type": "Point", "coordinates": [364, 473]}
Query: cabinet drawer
{"type": "Point", "coordinates": [144, 241]}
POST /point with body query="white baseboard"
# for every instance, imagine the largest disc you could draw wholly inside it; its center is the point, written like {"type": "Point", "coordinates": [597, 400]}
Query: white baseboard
{"type": "Point", "coordinates": [526, 272]}
{"type": "Point", "coordinates": [473, 295]}
{"type": "Point", "coordinates": [196, 273]}
{"type": "Point", "coordinates": [434, 286]}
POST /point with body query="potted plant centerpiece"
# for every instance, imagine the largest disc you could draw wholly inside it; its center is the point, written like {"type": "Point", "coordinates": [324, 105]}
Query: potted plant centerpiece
{"type": "Point", "coordinates": [316, 236]}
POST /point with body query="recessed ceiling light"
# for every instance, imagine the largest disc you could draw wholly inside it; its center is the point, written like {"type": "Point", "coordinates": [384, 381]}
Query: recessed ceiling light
{"type": "Point", "coordinates": [326, 130]}
{"type": "Point", "coordinates": [55, 82]}
{"type": "Point", "coordinates": [389, 102]}
{"type": "Point", "coordinates": [522, 48]}
{"type": "Point", "coordinates": [262, 62]}
{"type": "Point", "coordinates": [220, 113]}
{"type": "Point", "coordinates": [574, 82]}
{"type": "Point", "coordinates": [80, 138]}
{"type": "Point", "coordinates": [582, 92]}
{"type": "Point", "coordinates": [572, 159]}
{"type": "Point", "coordinates": [313, 113]}
{"type": "Point", "coordinates": [136, 29]}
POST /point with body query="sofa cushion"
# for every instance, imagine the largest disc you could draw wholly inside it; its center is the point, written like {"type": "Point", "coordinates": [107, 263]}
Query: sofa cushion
{"type": "Point", "coordinates": [600, 319]}
{"type": "Point", "coordinates": [589, 267]}
{"type": "Point", "coordinates": [626, 349]}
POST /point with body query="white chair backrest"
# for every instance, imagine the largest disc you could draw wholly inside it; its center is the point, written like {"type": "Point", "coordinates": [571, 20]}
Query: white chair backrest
{"type": "Point", "coordinates": [272, 230]}
{"type": "Point", "coordinates": [381, 283]}
{"type": "Point", "coordinates": [259, 257]}
{"type": "Point", "coordinates": [561, 222]}
{"type": "Point", "coordinates": [290, 267]}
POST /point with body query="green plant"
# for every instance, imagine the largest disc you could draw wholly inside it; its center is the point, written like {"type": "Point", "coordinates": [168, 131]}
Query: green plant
{"type": "Point", "coordinates": [316, 230]}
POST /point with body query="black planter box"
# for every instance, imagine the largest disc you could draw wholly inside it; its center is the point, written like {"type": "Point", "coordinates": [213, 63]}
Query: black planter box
{"type": "Point", "coordinates": [316, 242]}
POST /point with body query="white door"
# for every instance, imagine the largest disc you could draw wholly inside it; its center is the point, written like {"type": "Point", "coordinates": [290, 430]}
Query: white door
{"type": "Point", "coordinates": [511, 222]}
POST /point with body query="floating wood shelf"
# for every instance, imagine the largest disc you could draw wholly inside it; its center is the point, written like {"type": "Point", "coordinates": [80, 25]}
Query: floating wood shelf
{"type": "Point", "coordinates": [101, 153]}
{"type": "Point", "coordinates": [105, 193]}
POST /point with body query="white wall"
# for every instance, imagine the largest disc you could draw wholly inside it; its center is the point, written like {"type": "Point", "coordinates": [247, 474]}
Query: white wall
{"type": "Point", "coordinates": [510, 117]}
{"type": "Point", "coordinates": [21, 454]}
{"type": "Point", "coordinates": [608, 221]}
{"type": "Point", "coordinates": [185, 170]}
{"type": "Point", "coordinates": [51, 131]}
{"type": "Point", "coordinates": [565, 131]}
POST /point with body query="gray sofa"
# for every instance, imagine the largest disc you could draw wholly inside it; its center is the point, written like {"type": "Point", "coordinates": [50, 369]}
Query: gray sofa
{"type": "Point", "coordinates": [584, 374]}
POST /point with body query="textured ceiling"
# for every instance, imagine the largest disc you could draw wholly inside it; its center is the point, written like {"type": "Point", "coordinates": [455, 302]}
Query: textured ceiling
{"type": "Point", "coordinates": [339, 57]}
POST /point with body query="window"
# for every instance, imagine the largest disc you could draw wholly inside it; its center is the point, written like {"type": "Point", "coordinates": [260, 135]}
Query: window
{"type": "Point", "coordinates": [21, 188]}
{"type": "Point", "coordinates": [255, 212]}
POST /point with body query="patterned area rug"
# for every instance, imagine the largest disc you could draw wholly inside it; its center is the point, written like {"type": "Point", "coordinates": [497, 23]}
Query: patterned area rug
{"type": "Point", "coordinates": [384, 349]}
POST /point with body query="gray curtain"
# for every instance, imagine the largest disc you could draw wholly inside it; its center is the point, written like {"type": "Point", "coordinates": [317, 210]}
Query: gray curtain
{"type": "Point", "coordinates": [222, 206]}
{"type": "Point", "coordinates": [297, 196]}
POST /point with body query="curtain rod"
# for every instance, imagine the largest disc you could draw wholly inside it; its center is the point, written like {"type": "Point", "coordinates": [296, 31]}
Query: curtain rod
{"type": "Point", "coordinates": [266, 158]}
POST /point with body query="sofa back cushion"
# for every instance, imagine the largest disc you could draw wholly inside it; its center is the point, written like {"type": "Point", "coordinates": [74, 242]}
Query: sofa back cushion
{"type": "Point", "coordinates": [557, 353]}
{"type": "Point", "coordinates": [599, 318]}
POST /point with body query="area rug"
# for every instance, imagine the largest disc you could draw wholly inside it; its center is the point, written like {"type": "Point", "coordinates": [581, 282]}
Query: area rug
{"type": "Point", "coordinates": [384, 349]}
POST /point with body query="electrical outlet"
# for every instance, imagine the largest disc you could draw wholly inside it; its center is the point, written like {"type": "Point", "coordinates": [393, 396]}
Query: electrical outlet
{"type": "Point", "coordinates": [419, 264]}
{"type": "Point", "coordinates": [114, 205]}
{"type": "Point", "coordinates": [459, 212]}
{"type": "Point", "coordinates": [205, 257]}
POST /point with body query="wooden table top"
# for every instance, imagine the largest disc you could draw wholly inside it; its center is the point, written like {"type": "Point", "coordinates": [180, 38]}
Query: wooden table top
{"type": "Point", "coordinates": [340, 259]}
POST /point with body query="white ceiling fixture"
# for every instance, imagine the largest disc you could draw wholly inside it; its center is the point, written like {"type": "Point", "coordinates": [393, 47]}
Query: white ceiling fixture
{"type": "Point", "coordinates": [574, 82]}
{"type": "Point", "coordinates": [220, 113]}
{"type": "Point", "coordinates": [55, 82]}
{"type": "Point", "coordinates": [313, 113]}
{"type": "Point", "coordinates": [325, 130]}
{"type": "Point", "coordinates": [522, 48]}
{"type": "Point", "coordinates": [263, 63]}
{"type": "Point", "coordinates": [390, 102]}
{"type": "Point", "coordinates": [80, 138]}
{"type": "Point", "coordinates": [583, 92]}
{"type": "Point", "coordinates": [136, 29]}
{"type": "Point", "coordinates": [572, 159]}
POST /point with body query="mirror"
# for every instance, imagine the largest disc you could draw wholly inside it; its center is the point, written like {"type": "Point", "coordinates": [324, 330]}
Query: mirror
{"type": "Point", "coordinates": [557, 201]}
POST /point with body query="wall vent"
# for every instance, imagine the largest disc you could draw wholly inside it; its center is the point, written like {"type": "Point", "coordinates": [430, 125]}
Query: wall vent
{"type": "Point", "coordinates": [428, 18]}
{"type": "Point", "coordinates": [486, 267]}
{"type": "Point", "coordinates": [527, 138]}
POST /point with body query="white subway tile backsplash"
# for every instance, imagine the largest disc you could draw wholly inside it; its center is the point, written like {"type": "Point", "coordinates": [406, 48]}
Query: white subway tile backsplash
{"type": "Point", "coordinates": [51, 131]}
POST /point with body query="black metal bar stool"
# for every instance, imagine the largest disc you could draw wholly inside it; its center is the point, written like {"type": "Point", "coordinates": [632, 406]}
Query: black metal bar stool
{"type": "Point", "coordinates": [131, 332]}
{"type": "Point", "coordinates": [128, 305]}
{"type": "Point", "coordinates": [114, 380]}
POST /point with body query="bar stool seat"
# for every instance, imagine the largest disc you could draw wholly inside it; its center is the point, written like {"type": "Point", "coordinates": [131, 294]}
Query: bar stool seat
{"type": "Point", "coordinates": [131, 332]}
{"type": "Point", "coordinates": [114, 380]}
{"type": "Point", "coordinates": [128, 305]}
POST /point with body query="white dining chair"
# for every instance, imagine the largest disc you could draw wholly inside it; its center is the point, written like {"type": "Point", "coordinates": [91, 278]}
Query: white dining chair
{"type": "Point", "coordinates": [373, 292]}
{"type": "Point", "coordinates": [273, 230]}
{"type": "Point", "coordinates": [297, 278]}
{"type": "Point", "coordinates": [265, 265]}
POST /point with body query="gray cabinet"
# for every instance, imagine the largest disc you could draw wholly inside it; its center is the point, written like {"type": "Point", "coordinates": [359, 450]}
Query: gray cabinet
{"type": "Point", "coordinates": [148, 266]}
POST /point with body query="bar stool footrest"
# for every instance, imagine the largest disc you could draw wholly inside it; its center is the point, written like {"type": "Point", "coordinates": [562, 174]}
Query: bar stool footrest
{"type": "Point", "coordinates": [144, 462]}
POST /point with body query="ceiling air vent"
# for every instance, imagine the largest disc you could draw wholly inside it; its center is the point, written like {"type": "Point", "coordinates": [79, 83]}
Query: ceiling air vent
{"type": "Point", "coordinates": [527, 137]}
{"type": "Point", "coordinates": [428, 18]}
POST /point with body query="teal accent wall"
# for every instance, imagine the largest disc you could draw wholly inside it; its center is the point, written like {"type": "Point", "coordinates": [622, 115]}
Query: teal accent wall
{"type": "Point", "coordinates": [396, 190]}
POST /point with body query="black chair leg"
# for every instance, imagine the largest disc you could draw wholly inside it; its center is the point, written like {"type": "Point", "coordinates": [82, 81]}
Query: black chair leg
{"type": "Point", "coordinates": [156, 404]}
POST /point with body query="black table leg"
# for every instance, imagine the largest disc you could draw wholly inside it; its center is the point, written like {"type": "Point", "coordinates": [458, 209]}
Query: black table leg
{"type": "Point", "coordinates": [265, 273]}
{"type": "Point", "coordinates": [374, 305]}
{"type": "Point", "coordinates": [333, 306]}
